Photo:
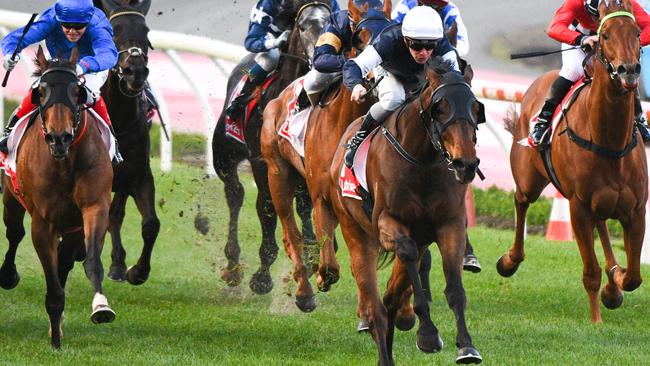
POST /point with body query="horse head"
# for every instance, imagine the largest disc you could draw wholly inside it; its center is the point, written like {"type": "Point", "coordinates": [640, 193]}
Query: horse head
{"type": "Point", "coordinates": [455, 114]}
{"type": "Point", "coordinates": [619, 47]}
{"type": "Point", "coordinates": [130, 36]}
{"type": "Point", "coordinates": [59, 97]}
{"type": "Point", "coordinates": [306, 18]}
{"type": "Point", "coordinates": [367, 21]}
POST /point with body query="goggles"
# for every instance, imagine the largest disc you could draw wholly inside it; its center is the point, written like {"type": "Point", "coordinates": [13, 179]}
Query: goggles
{"type": "Point", "coordinates": [75, 26]}
{"type": "Point", "coordinates": [419, 44]}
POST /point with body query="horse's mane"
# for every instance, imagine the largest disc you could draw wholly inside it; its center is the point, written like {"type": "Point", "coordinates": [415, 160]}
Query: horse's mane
{"type": "Point", "coordinates": [289, 10]}
{"type": "Point", "coordinates": [440, 66]}
{"type": "Point", "coordinates": [55, 62]}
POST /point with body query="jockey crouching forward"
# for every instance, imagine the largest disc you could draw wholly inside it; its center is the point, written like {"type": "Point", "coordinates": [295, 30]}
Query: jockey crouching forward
{"type": "Point", "coordinates": [402, 52]}
{"type": "Point", "coordinates": [337, 37]}
{"type": "Point", "coordinates": [575, 24]}
{"type": "Point", "coordinates": [64, 26]}
{"type": "Point", "coordinates": [264, 39]}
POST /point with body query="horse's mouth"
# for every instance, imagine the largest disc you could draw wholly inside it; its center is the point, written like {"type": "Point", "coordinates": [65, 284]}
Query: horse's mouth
{"type": "Point", "coordinates": [631, 85]}
{"type": "Point", "coordinates": [59, 153]}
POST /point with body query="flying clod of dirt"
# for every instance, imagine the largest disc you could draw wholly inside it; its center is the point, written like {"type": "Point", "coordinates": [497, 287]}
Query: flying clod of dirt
{"type": "Point", "coordinates": [201, 223]}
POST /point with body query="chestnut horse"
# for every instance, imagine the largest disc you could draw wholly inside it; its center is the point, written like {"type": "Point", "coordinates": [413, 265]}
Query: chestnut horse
{"type": "Point", "coordinates": [65, 178]}
{"type": "Point", "coordinates": [604, 178]}
{"type": "Point", "coordinates": [418, 169]}
{"type": "Point", "coordinates": [306, 18]}
{"type": "Point", "coordinates": [127, 107]}
{"type": "Point", "coordinates": [286, 168]}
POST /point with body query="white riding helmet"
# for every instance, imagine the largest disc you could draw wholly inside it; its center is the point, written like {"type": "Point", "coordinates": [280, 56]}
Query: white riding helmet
{"type": "Point", "coordinates": [422, 22]}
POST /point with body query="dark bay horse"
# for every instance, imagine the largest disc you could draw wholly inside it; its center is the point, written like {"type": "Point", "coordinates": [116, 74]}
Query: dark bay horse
{"type": "Point", "coordinates": [65, 178]}
{"type": "Point", "coordinates": [286, 169]}
{"type": "Point", "coordinates": [604, 178]}
{"type": "Point", "coordinates": [127, 107]}
{"type": "Point", "coordinates": [415, 203]}
{"type": "Point", "coordinates": [306, 18]}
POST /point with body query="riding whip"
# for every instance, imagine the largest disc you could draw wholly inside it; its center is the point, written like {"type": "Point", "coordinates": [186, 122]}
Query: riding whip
{"type": "Point", "coordinates": [13, 55]}
{"type": "Point", "coordinates": [516, 56]}
{"type": "Point", "coordinates": [374, 85]}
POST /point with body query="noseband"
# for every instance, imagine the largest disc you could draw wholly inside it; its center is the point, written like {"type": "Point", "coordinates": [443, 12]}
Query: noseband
{"type": "Point", "coordinates": [131, 52]}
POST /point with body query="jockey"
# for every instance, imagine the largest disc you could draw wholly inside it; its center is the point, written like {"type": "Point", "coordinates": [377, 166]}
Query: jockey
{"type": "Point", "coordinates": [264, 39]}
{"type": "Point", "coordinates": [584, 14]}
{"type": "Point", "coordinates": [402, 52]}
{"type": "Point", "coordinates": [336, 38]}
{"type": "Point", "coordinates": [449, 13]}
{"type": "Point", "coordinates": [64, 26]}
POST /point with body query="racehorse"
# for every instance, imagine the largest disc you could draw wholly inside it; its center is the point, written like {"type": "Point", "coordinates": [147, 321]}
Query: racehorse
{"type": "Point", "coordinates": [127, 107]}
{"type": "Point", "coordinates": [306, 18]}
{"type": "Point", "coordinates": [286, 168]}
{"type": "Point", "coordinates": [63, 180]}
{"type": "Point", "coordinates": [418, 168]}
{"type": "Point", "coordinates": [598, 164]}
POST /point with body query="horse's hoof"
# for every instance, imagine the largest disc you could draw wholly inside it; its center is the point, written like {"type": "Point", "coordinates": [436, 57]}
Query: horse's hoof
{"type": "Point", "coordinates": [471, 264]}
{"type": "Point", "coordinates": [136, 275]}
{"type": "Point", "coordinates": [9, 279]}
{"type": "Point", "coordinates": [306, 304]}
{"type": "Point", "coordinates": [326, 280]}
{"type": "Point", "coordinates": [117, 273]}
{"type": "Point", "coordinates": [503, 271]}
{"type": "Point", "coordinates": [612, 302]}
{"type": "Point", "coordinates": [467, 355]}
{"type": "Point", "coordinates": [102, 314]}
{"type": "Point", "coordinates": [232, 277]}
{"type": "Point", "coordinates": [405, 322]}
{"type": "Point", "coordinates": [429, 343]}
{"type": "Point", "coordinates": [363, 325]}
{"type": "Point", "coordinates": [261, 282]}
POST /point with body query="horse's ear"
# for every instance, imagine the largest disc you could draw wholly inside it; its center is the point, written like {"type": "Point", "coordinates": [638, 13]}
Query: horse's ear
{"type": "Point", "coordinates": [353, 11]}
{"type": "Point", "coordinates": [480, 114]}
{"type": "Point", "coordinates": [468, 73]}
{"type": "Point", "coordinates": [74, 56]}
{"type": "Point", "coordinates": [41, 61]}
{"type": "Point", "coordinates": [388, 8]}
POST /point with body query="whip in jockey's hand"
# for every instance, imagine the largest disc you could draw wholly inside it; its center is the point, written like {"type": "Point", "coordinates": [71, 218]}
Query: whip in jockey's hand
{"type": "Point", "coordinates": [9, 62]}
{"type": "Point", "coordinates": [358, 94]}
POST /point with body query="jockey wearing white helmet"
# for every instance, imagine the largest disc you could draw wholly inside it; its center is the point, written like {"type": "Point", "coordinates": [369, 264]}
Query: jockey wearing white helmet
{"type": "Point", "coordinates": [400, 54]}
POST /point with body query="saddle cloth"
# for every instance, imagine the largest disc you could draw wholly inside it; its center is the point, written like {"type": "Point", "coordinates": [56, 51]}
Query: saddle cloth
{"type": "Point", "coordinates": [236, 128]}
{"type": "Point", "coordinates": [295, 125]}
{"type": "Point", "coordinates": [352, 179]}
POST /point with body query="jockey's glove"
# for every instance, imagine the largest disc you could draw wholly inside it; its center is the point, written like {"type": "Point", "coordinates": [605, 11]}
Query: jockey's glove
{"type": "Point", "coordinates": [9, 63]}
{"type": "Point", "coordinates": [277, 42]}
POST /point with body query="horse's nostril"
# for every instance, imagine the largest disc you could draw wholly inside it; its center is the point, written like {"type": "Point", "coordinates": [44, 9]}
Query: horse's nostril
{"type": "Point", "coordinates": [637, 68]}
{"type": "Point", "coordinates": [621, 69]}
{"type": "Point", "coordinates": [49, 138]}
{"type": "Point", "coordinates": [127, 71]}
{"type": "Point", "coordinates": [458, 164]}
{"type": "Point", "coordinates": [66, 139]}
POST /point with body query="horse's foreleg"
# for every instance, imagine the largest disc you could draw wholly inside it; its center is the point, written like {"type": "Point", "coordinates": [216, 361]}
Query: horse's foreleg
{"type": "Point", "coordinates": [509, 262]}
{"type": "Point", "coordinates": [226, 169]}
{"type": "Point", "coordinates": [398, 288]}
{"type": "Point", "coordinates": [68, 247]}
{"type": "Point", "coordinates": [583, 229]}
{"type": "Point", "coordinates": [95, 219]}
{"type": "Point", "coordinates": [117, 270]}
{"type": "Point", "coordinates": [328, 267]}
{"type": "Point", "coordinates": [425, 268]}
{"type": "Point", "coordinates": [451, 243]}
{"type": "Point", "coordinates": [45, 244]}
{"type": "Point", "coordinates": [304, 207]}
{"type": "Point", "coordinates": [395, 236]}
{"type": "Point", "coordinates": [629, 278]}
{"type": "Point", "coordinates": [13, 216]}
{"type": "Point", "coordinates": [261, 282]}
{"type": "Point", "coordinates": [611, 295]}
{"type": "Point", "coordinates": [145, 200]}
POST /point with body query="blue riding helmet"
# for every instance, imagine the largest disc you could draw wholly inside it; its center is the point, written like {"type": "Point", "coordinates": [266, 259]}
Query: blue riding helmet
{"type": "Point", "coordinates": [74, 11]}
{"type": "Point", "coordinates": [372, 4]}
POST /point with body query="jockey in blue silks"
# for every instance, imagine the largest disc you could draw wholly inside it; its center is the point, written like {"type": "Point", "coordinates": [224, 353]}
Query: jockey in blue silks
{"type": "Point", "coordinates": [337, 37]}
{"type": "Point", "coordinates": [64, 26]}
{"type": "Point", "coordinates": [264, 38]}
{"type": "Point", "coordinates": [400, 54]}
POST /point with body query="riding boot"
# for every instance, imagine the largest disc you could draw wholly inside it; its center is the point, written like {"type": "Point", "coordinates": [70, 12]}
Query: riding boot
{"type": "Point", "coordinates": [303, 101]}
{"type": "Point", "coordinates": [256, 77]}
{"type": "Point", "coordinates": [559, 88]}
{"type": "Point", "coordinates": [367, 126]}
{"type": "Point", "coordinates": [5, 137]}
{"type": "Point", "coordinates": [639, 118]}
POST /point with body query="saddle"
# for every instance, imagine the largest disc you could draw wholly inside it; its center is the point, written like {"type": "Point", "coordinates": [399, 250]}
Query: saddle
{"type": "Point", "coordinates": [236, 128]}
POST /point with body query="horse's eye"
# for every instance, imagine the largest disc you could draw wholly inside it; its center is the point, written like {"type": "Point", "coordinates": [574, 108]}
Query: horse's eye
{"type": "Point", "coordinates": [605, 37]}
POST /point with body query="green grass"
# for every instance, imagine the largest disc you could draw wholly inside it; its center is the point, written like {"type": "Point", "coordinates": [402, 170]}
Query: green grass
{"type": "Point", "coordinates": [185, 315]}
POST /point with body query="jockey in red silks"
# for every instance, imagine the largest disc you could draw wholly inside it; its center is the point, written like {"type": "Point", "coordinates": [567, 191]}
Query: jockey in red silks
{"type": "Point", "coordinates": [575, 24]}
{"type": "Point", "coordinates": [66, 25]}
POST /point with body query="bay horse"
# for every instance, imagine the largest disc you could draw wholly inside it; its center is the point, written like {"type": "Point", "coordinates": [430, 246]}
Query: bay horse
{"type": "Point", "coordinates": [306, 18]}
{"type": "Point", "coordinates": [418, 169]}
{"type": "Point", "coordinates": [287, 169]}
{"type": "Point", "coordinates": [127, 108]}
{"type": "Point", "coordinates": [64, 174]}
{"type": "Point", "coordinates": [599, 166]}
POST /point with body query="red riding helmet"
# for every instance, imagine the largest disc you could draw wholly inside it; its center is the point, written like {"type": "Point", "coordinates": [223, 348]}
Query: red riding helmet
{"type": "Point", "coordinates": [433, 2]}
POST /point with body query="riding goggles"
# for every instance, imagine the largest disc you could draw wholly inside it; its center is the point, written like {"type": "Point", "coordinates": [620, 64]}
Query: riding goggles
{"type": "Point", "coordinates": [75, 26]}
{"type": "Point", "coordinates": [419, 44]}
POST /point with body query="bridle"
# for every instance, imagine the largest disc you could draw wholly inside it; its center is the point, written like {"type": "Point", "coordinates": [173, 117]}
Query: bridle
{"type": "Point", "coordinates": [132, 51]}
{"type": "Point", "coordinates": [49, 99]}
{"type": "Point", "coordinates": [599, 54]}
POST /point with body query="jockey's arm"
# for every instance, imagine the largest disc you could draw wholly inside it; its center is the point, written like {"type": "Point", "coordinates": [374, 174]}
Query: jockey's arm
{"type": "Point", "coordinates": [39, 30]}
{"type": "Point", "coordinates": [643, 21]}
{"type": "Point", "coordinates": [261, 28]}
{"type": "Point", "coordinates": [328, 55]}
{"type": "Point", "coordinates": [105, 52]}
{"type": "Point", "coordinates": [559, 28]}
{"type": "Point", "coordinates": [354, 70]}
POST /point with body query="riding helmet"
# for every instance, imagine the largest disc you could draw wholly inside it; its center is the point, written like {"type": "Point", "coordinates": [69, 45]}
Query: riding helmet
{"type": "Point", "coordinates": [74, 11]}
{"type": "Point", "coordinates": [422, 22]}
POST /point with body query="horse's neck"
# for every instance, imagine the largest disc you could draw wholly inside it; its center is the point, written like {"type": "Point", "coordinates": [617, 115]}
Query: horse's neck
{"type": "Point", "coordinates": [410, 128]}
{"type": "Point", "coordinates": [119, 104]}
{"type": "Point", "coordinates": [610, 112]}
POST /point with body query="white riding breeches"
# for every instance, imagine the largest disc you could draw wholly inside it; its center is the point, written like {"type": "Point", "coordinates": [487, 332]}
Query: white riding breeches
{"type": "Point", "coordinates": [316, 81]}
{"type": "Point", "coordinates": [572, 63]}
{"type": "Point", "coordinates": [94, 83]}
{"type": "Point", "coordinates": [268, 60]}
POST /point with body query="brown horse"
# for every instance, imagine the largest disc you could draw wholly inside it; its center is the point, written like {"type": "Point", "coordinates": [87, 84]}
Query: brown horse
{"type": "Point", "coordinates": [417, 183]}
{"type": "Point", "coordinates": [286, 168]}
{"type": "Point", "coordinates": [603, 174]}
{"type": "Point", "coordinates": [65, 178]}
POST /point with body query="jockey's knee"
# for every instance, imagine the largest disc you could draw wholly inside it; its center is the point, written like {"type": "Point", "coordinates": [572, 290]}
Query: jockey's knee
{"type": "Point", "coordinates": [268, 60]}
{"type": "Point", "coordinates": [316, 81]}
{"type": "Point", "coordinates": [379, 113]}
{"type": "Point", "coordinates": [572, 74]}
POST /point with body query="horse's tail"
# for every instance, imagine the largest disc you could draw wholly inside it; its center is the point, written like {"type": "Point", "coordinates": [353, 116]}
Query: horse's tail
{"type": "Point", "coordinates": [385, 258]}
{"type": "Point", "coordinates": [510, 119]}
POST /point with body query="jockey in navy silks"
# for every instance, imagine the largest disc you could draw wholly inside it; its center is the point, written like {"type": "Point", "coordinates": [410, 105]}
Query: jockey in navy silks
{"type": "Point", "coordinates": [64, 26]}
{"type": "Point", "coordinates": [264, 39]}
{"type": "Point", "coordinates": [400, 54]}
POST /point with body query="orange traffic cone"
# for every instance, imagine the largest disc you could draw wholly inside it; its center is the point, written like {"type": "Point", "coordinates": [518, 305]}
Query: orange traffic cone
{"type": "Point", "coordinates": [559, 225]}
{"type": "Point", "coordinates": [469, 207]}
